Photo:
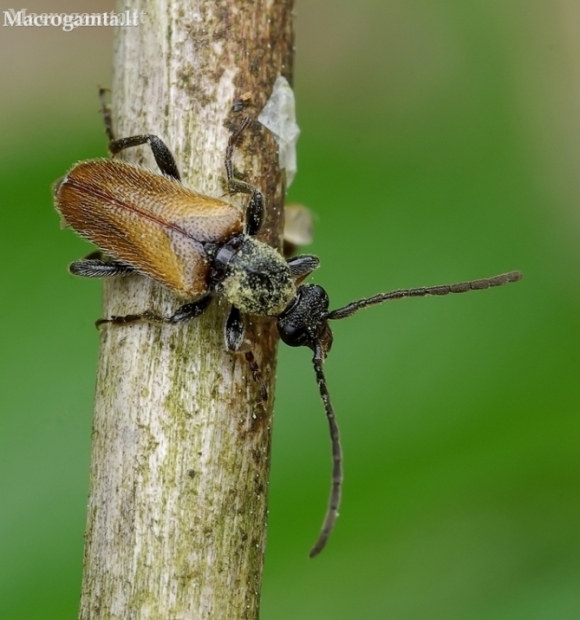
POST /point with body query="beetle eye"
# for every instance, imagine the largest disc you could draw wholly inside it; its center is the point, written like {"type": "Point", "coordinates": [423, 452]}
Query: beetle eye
{"type": "Point", "coordinates": [292, 334]}
{"type": "Point", "coordinates": [223, 257]}
{"type": "Point", "coordinates": [291, 325]}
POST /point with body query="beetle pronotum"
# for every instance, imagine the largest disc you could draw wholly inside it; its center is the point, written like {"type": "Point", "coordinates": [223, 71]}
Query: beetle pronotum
{"type": "Point", "coordinates": [198, 247]}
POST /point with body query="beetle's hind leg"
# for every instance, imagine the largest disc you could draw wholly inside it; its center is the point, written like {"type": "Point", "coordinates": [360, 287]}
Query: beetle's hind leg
{"type": "Point", "coordinates": [162, 154]}
{"type": "Point", "coordinates": [183, 314]}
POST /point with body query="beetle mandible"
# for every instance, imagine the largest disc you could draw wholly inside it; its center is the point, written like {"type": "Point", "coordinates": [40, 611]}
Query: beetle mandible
{"type": "Point", "coordinates": [199, 247]}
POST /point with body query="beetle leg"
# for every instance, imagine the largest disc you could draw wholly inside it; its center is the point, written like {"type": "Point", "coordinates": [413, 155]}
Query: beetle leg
{"type": "Point", "coordinates": [303, 265]}
{"type": "Point", "coordinates": [255, 208]}
{"type": "Point", "coordinates": [162, 154]}
{"type": "Point", "coordinates": [234, 330]}
{"type": "Point", "coordinates": [106, 111]}
{"type": "Point", "coordinates": [189, 311]}
{"type": "Point", "coordinates": [183, 314]}
{"type": "Point", "coordinates": [254, 213]}
{"type": "Point", "coordinates": [99, 268]}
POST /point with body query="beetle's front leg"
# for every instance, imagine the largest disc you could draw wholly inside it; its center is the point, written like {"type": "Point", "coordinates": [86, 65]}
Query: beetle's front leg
{"type": "Point", "coordinates": [234, 331]}
{"type": "Point", "coordinates": [255, 208]}
{"type": "Point", "coordinates": [183, 314]}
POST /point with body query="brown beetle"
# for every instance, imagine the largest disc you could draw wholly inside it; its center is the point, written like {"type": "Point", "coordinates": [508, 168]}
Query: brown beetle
{"type": "Point", "coordinates": [198, 247]}
{"type": "Point", "coordinates": [190, 243]}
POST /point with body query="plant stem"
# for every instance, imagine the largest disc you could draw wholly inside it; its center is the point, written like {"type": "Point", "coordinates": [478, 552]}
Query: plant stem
{"type": "Point", "coordinates": [181, 439]}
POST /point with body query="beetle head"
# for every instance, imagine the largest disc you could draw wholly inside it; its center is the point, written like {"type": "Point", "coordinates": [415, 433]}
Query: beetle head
{"type": "Point", "coordinates": [304, 322]}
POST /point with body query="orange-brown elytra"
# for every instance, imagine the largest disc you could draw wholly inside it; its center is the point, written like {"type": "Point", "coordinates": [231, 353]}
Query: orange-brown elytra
{"type": "Point", "coordinates": [199, 247]}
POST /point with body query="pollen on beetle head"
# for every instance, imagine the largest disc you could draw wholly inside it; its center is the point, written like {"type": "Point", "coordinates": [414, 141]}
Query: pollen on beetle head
{"type": "Point", "coordinates": [258, 280]}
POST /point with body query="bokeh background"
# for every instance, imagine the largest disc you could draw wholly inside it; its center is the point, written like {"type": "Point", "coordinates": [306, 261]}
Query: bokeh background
{"type": "Point", "coordinates": [440, 142]}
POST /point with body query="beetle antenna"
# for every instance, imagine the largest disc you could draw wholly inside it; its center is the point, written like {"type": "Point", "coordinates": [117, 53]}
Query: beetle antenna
{"type": "Point", "coordinates": [445, 289]}
{"type": "Point", "coordinates": [332, 511]}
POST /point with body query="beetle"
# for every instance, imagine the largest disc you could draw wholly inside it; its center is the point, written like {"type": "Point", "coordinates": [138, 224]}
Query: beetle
{"type": "Point", "coordinates": [199, 247]}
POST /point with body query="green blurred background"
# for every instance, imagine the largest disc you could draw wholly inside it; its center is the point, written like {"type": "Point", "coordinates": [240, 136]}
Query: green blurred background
{"type": "Point", "coordinates": [440, 142]}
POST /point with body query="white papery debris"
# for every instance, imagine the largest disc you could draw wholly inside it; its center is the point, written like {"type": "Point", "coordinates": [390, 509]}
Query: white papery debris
{"type": "Point", "coordinates": [279, 116]}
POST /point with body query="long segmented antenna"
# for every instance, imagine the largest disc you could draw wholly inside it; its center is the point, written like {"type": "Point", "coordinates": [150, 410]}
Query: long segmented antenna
{"type": "Point", "coordinates": [305, 323]}
{"type": "Point", "coordinates": [334, 502]}
{"type": "Point", "coordinates": [445, 289]}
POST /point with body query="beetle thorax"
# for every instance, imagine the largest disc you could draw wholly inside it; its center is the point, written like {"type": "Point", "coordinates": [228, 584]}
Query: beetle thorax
{"type": "Point", "coordinates": [257, 280]}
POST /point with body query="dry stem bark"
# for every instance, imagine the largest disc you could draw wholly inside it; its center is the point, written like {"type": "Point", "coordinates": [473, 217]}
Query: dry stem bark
{"type": "Point", "coordinates": [181, 443]}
